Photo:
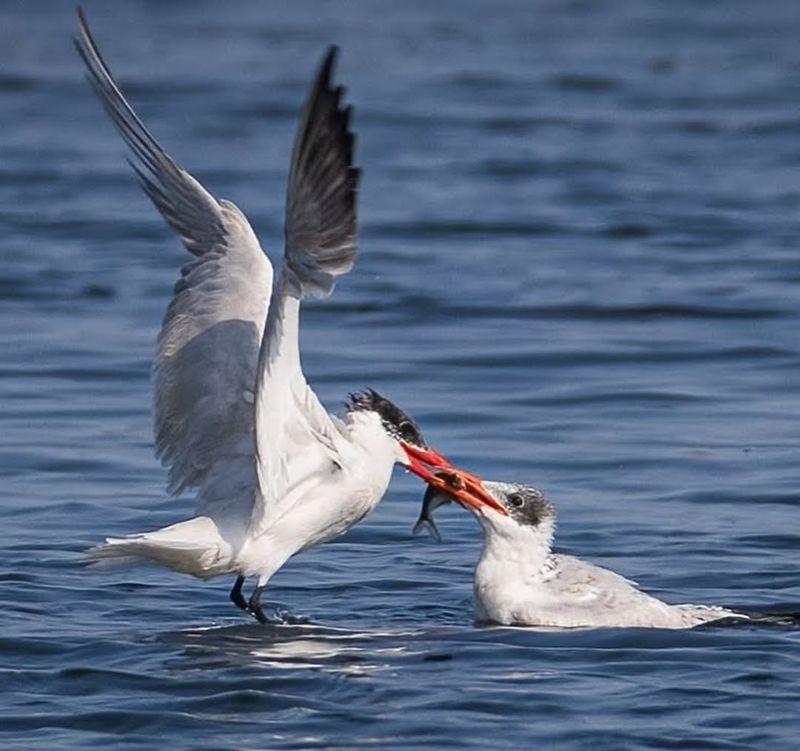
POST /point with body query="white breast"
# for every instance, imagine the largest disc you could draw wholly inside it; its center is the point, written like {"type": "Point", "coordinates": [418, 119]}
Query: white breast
{"type": "Point", "coordinates": [324, 505]}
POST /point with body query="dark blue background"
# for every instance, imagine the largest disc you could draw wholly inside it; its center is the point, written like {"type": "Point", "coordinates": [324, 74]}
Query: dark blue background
{"type": "Point", "coordinates": [579, 268]}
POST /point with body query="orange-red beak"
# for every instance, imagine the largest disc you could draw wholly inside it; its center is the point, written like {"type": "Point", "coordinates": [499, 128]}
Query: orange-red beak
{"type": "Point", "coordinates": [460, 485]}
{"type": "Point", "coordinates": [418, 457]}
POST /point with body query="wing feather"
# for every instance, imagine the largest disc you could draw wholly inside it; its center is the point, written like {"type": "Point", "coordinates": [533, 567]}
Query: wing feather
{"type": "Point", "coordinates": [320, 225]}
{"type": "Point", "coordinates": [295, 435]}
{"type": "Point", "coordinates": [205, 364]}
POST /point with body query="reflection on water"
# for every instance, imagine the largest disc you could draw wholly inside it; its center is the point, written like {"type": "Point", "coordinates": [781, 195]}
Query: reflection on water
{"type": "Point", "coordinates": [291, 647]}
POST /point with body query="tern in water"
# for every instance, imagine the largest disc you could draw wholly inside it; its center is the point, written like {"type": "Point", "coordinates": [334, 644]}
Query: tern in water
{"type": "Point", "coordinates": [519, 581]}
{"type": "Point", "coordinates": [235, 419]}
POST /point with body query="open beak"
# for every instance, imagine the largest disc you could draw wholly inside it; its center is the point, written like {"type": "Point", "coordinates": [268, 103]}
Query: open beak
{"type": "Point", "coordinates": [418, 459]}
{"type": "Point", "coordinates": [465, 488]}
{"type": "Point", "coordinates": [418, 456]}
{"type": "Point", "coordinates": [458, 484]}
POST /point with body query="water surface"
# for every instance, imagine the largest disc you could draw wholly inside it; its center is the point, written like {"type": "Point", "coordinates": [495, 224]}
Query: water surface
{"type": "Point", "coordinates": [579, 268]}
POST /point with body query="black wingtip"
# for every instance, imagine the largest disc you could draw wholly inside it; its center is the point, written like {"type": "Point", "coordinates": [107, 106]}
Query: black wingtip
{"type": "Point", "coordinates": [321, 195]}
{"type": "Point", "coordinates": [328, 62]}
{"type": "Point", "coordinates": [322, 80]}
{"type": "Point", "coordinates": [83, 24]}
{"type": "Point", "coordinates": [84, 40]}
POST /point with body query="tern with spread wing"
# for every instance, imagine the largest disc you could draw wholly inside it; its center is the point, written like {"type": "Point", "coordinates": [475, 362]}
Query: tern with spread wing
{"type": "Point", "coordinates": [520, 581]}
{"type": "Point", "coordinates": [235, 420]}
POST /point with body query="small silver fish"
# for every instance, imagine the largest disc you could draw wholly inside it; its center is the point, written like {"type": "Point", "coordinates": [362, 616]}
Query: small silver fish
{"type": "Point", "coordinates": [434, 498]}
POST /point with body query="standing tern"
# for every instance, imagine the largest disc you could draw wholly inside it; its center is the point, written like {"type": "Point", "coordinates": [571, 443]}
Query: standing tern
{"type": "Point", "coordinates": [519, 581]}
{"type": "Point", "coordinates": [235, 419]}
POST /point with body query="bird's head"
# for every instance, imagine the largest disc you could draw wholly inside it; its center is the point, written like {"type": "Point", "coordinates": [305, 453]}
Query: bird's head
{"type": "Point", "coordinates": [410, 447]}
{"type": "Point", "coordinates": [508, 509]}
{"type": "Point", "coordinates": [525, 506]}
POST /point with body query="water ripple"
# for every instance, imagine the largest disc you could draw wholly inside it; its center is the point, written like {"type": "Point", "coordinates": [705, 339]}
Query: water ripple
{"type": "Point", "coordinates": [578, 267]}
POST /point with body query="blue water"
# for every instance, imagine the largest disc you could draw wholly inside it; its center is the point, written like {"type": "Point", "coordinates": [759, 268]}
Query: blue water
{"type": "Point", "coordinates": [579, 268]}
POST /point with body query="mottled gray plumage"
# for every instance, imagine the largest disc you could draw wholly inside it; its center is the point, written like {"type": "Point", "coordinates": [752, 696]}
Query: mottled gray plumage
{"type": "Point", "coordinates": [527, 505]}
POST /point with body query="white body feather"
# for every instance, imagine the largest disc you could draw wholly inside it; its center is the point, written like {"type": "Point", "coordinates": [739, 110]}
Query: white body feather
{"type": "Point", "coordinates": [520, 581]}
{"type": "Point", "coordinates": [235, 419]}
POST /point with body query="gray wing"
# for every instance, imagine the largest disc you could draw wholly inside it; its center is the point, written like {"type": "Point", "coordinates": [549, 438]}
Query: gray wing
{"type": "Point", "coordinates": [599, 597]}
{"type": "Point", "coordinates": [296, 438]}
{"type": "Point", "coordinates": [588, 585]}
{"type": "Point", "coordinates": [321, 194]}
{"type": "Point", "coordinates": [205, 363]}
{"type": "Point", "coordinates": [581, 593]}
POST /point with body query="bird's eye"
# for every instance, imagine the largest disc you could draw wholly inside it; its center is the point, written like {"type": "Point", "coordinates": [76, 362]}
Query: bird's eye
{"type": "Point", "coordinates": [515, 500]}
{"type": "Point", "coordinates": [407, 432]}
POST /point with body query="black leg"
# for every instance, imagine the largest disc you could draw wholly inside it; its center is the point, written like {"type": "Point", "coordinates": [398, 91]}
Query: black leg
{"type": "Point", "coordinates": [254, 606]}
{"type": "Point", "coordinates": [236, 594]}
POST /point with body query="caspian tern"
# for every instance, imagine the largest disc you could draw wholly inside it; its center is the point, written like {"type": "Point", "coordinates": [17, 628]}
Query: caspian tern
{"type": "Point", "coordinates": [519, 581]}
{"type": "Point", "coordinates": [235, 419]}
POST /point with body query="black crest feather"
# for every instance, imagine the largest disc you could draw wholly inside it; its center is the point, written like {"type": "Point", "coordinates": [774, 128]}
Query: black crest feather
{"type": "Point", "coordinates": [396, 422]}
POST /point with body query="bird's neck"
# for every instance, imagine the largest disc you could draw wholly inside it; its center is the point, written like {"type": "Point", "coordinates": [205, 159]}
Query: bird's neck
{"type": "Point", "coordinates": [367, 434]}
{"type": "Point", "coordinates": [515, 551]}
{"type": "Point", "coordinates": [511, 568]}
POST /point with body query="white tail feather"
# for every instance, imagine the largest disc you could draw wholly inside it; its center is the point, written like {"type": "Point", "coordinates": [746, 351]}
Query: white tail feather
{"type": "Point", "coordinates": [192, 547]}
